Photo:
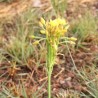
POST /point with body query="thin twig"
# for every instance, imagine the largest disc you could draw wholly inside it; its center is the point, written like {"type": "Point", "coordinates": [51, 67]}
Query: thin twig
{"type": "Point", "coordinates": [59, 73]}
{"type": "Point", "coordinates": [55, 76]}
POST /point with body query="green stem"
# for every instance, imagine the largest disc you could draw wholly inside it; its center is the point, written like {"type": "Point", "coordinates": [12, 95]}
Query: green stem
{"type": "Point", "coordinates": [50, 63]}
{"type": "Point", "coordinates": [49, 56]}
{"type": "Point", "coordinates": [49, 83]}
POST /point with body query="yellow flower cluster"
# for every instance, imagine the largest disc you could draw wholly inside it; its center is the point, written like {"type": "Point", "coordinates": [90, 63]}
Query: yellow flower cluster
{"type": "Point", "coordinates": [54, 28]}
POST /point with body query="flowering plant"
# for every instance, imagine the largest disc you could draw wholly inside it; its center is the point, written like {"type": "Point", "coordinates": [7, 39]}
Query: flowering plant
{"type": "Point", "coordinates": [54, 31]}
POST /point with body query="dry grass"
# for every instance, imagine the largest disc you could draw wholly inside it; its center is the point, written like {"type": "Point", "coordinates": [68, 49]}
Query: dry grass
{"type": "Point", "coordinates": [10, 10]}
{"type": "Point", "coordinates": [16, 50]}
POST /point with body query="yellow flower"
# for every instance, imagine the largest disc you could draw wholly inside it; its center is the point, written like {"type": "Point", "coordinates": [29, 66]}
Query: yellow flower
{"type": "Point", "coordinates": [42, 21]}
{"type": "Point", "coordinates": [61, 21]}
{"type": "Point", "coordinates": [54, 29]}
{"type": "Point", "coordinates": [57, 22]}
{"type": "Point", "coordinates": [42, 32]}
{"type": "Point", "coordinates": [53, 23]}
{"type": "Point", "coordinates": [40, 24]}
{"type": "Point", "coordinates": [57, 26]}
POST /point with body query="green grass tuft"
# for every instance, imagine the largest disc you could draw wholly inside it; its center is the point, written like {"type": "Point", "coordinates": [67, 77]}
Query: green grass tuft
{"type": "Point", "coordinates": [84, 27]}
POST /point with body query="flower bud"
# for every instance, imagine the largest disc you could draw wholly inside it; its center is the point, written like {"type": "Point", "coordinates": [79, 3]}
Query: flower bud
{"type": "Point", "coordinates": [42, 21]}
{"type": "Point", "coordinates": [73, 39]}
